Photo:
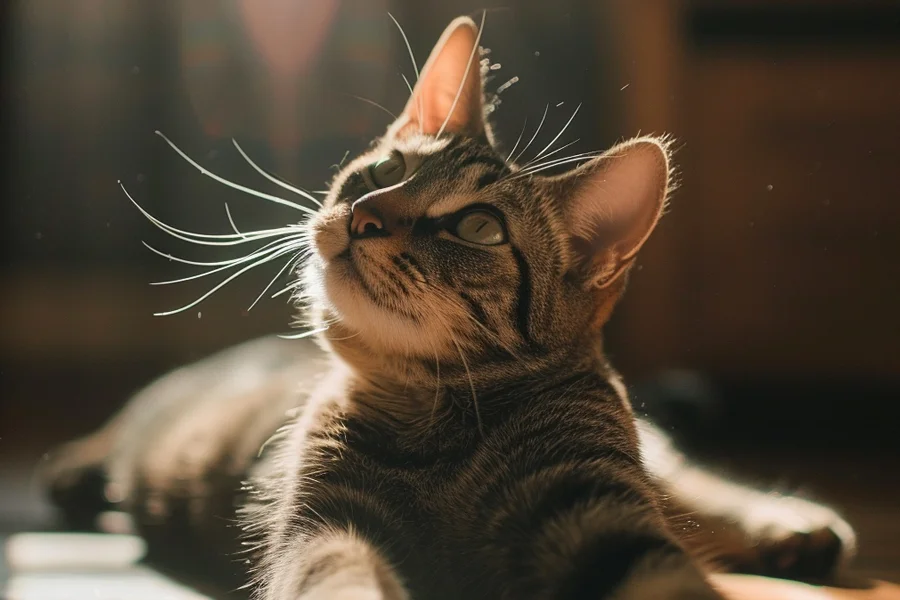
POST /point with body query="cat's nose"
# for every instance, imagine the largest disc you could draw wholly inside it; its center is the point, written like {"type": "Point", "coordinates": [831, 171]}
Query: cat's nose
{"type": "Point", "coordinates": [380, 214]}
{"type": "Point", "coordinates": [365, 222]}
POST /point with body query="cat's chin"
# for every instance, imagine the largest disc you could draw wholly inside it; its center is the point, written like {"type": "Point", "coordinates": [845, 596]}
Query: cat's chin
{"type": "Point", "coordinates": [377, 327]}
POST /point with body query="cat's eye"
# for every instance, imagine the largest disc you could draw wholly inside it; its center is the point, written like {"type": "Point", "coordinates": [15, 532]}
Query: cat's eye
{"type": "Point", "coordinates": [388, 170]}
{"type": "Point", "coordinates": [480, 227]}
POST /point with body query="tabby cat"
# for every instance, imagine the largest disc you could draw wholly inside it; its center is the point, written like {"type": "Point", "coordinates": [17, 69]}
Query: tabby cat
{"type": "Point", "coordinates": [462, 435]}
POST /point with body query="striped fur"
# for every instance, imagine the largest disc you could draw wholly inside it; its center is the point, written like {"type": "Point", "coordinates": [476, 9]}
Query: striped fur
{"type": "Point", "coordinates": [467, 437]}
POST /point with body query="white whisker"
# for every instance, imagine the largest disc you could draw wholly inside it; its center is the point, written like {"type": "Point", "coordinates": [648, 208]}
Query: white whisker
{"type": "Point", "coordinates": [408, 47]}
{"type": "Point", "coordinates": [290, 287]}
{"type": "Point", "coordinates": [234, 238]}
{"type": "Point", "coordinates": [536, 132]}
{"type": "Point", "coordinates": [406, 81]}
{"type": "Point", "coordinates": [555, 163]}
{"type": "Point", "coordinates": [375, 104]}
{"type": "Point", "coordinates": [561, 131]}
{"type": "Point", "coordinates": [222, 284]}
{"type": "Point", "coordinates": [305, 334]}
{"type": "Point", "coordinates": [231, 261]}
{"type": "Point", "coordinates": [232, 184]}
{"type": "Point", "coordinates": [516, 145]}
{"type": "Point", "coordinates": [300, 192]}
{"type": "Point", "coordinates": [534, 163]}
{"type": "Point", "coordinates": [286, 265]}
{"type": "Point", "coordinates": [283, 245]}
{"type": "Point", "coordinates": [572, 157]}
{"type": "Point", "coordinates": [471, 383]}
{"type": "Point", "coordinates": [465, 75]}
{"type": "Point", "coordinates": [231, 221]}
{"type": "Point", "coordinates": [420, 111]}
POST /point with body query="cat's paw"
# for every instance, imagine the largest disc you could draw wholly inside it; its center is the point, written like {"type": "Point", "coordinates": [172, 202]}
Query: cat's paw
{"type": "Point", "coordinates": [74, 478]}
{"type": "Point", "coordinates": [794, 538]}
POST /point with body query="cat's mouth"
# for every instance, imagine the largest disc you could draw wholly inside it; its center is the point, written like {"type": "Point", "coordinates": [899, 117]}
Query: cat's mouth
{"type": "Point", "coordinates": [379, 284]}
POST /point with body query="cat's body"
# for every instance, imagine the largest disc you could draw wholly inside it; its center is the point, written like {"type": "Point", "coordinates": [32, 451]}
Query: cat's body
{"type": "Point", "coordinates": [467, 437]}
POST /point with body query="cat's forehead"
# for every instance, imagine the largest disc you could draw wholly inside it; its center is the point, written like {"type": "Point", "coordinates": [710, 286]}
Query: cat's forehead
{"type": "Point", "coordinates": [414, 145]}
{"type": "Point", "coordinates": [446, 174]}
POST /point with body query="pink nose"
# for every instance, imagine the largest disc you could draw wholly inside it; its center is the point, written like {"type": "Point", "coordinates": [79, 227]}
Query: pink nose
{"type": "Point", "coordinates": [365, 223]}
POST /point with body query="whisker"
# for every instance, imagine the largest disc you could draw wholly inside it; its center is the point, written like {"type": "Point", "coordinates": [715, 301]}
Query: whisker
{"type": "Point", "coordinates": [375, 104]}
{"type": "Point", "coordinates": [287, 264]}
{"type": "Point", "coordinates": [437, 386]}
{"type": "Point", "coordinates": [232, 184]}
{"type": "Point", "coordinates": [561, 131]}
{"type": "Point", "coordinates": [234, 238]}
{"type": "Point", "coordinates": [273, 179]}
{"type": "Point", "coordinates": [465, 75]}
{"type": "Point", "coordinates": [408, 47]}
{"type": "Point", "coordinates": [471, 383]}
{"type": "Point", "coordinates": [231, 261]}
{"type": "Point", "coordinates": [516, 145]}
{"type": "Point", "coordinates": [579, 155]}
{"type": "Point", "coordinates": [555, 163]}
{"type": "Point", "coordinates": [536, 132]}
{"type": "Point", "coordinates": [222, 284]}
{"type": "Point", "coordinates": [305, 334]}
{"type": "Point", "coordinates": [534, 163]}
{"type": "Point", "coordinates": [290, 287]}
{"type": "Point", "coordinates": [420, 111]}
{"type": "Point", "coordinates": [231, 221]}
{"type": "Point", "coordinates": [219, 267]}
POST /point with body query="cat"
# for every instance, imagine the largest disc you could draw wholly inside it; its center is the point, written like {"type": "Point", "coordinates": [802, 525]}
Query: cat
{"type": "Point", "coordinates": [460, 432]}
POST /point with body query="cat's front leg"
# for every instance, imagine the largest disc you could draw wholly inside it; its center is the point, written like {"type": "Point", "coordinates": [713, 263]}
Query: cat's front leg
{"type": "Point", "coordinates": [334, 565]}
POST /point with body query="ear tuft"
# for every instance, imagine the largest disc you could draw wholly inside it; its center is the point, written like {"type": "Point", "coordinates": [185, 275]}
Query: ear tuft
{"type": "Point", "coordinates": [613, 203]}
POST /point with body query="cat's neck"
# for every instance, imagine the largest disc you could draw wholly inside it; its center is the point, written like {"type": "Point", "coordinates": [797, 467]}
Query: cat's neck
{"type": "Point", "coordinates": [418, 395]}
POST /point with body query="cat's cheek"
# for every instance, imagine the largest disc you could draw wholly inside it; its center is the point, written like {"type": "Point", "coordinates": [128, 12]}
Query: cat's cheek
{"type": "Point", "coordinates": [330, 234]}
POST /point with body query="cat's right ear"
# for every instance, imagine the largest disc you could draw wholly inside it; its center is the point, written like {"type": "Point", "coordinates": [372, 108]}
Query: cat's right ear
{"type": "Point", "coordinates": [611, 205]}
{"type": "Point", "coordinates": [448, 96]}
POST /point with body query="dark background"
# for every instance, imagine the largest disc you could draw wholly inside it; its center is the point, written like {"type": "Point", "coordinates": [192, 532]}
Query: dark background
{"type": "Point", "coordinates": [775, 277]}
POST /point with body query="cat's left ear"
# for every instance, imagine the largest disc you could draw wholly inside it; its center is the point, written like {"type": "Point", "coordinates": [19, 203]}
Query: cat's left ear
{"type": "Point", "coordinates": [612, 204]}
{"type": "Point", "coordinates": [448, 96]}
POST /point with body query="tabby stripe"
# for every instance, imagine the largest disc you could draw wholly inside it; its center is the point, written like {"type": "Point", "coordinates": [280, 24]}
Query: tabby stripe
{"type": "Point", "coordinates": [413, 262]}
{"type": "Point", "coordinates": [363, 283]}
{"type": "Point", "coordinates": [344, 507]}
{"type": "Point", "coordinates": [490, 161]}
{"type": "Point", "coordinates": [523, 303]}
{"type": "Point", "coordinates": [476, 308]}
{"type": "Point", "coordinates": [603, 474]}
{"type": "Point", "coordinates": [487, 179]}
{"type": "Point", "coordinates": [558, 494]}
{"type": "Point", "coordinates": [606, 562]}
{"type": "Point", "coordinates": [407, 270]}
{"type": "Point", "coordinates": [393, 281]}
{"type": "Point", "coordinates": [570, 446]}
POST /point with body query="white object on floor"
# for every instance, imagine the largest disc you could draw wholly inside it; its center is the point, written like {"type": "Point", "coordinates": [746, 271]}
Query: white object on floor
{"type": "Point", "coordinates": [66, 566]}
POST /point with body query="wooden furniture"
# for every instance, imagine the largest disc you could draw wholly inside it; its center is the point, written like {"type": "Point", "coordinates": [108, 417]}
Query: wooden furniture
{"type": "Point", "coordinates": [780, 254]}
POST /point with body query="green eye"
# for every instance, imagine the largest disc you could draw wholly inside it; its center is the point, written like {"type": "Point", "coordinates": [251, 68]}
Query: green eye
{"type": "Point", "coordinates": [388, 170]}
{"type": "Point", "coordinates": [481, 227]}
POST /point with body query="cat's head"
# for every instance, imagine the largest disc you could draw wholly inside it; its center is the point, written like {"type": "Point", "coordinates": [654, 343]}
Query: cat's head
{"type": "Point", "coordinates": [432, 248]}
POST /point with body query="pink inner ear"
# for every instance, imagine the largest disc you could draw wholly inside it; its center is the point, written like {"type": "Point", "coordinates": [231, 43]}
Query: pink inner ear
{"type": "Point", "coordinates": [622, 200]}
{"type": "Point", "coordinates": [448, 95]}
{"type": "Point", "coordinates": [615, 203]}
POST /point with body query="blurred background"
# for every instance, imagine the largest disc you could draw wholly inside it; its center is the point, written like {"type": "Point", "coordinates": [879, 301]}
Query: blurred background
{"type": "Point", "coordinates": [765, 312]}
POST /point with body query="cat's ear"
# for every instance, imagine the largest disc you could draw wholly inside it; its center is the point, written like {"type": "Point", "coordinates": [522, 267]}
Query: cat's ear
{"type": "Point", "coordinates": [448, 96]}
{"type": "Point", "coordinates": [612, 204]}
